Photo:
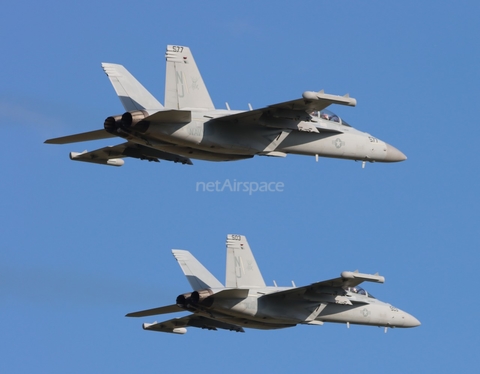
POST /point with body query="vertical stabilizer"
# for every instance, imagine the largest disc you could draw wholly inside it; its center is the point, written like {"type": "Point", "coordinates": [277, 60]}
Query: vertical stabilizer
{"type": "Point", "coordinates": [242, 270]}
{"type": "Point", "coordinates": [130, 91]}
{"type": "Point", "coordinates": [184, 86]}
{"type": "Point", "coordinates": [197, 275]}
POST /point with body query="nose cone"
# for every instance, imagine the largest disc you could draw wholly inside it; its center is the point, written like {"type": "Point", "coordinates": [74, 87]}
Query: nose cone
{"type": "Point", "coordinates": [393, 154]}
{"type": "Point", "coordinates": [410, 321]}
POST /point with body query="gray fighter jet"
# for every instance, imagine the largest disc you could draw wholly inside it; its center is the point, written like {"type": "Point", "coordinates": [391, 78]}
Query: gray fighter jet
{"type": "Point", "coordinates": [245, 300]}
{"type": "Point", "coordinates": [189, 126]}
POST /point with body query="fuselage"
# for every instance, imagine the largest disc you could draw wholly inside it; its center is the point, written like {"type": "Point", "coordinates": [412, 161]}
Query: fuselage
{"type": "Point", "coordinates": [206, 138]}
{"type": "Point", "coordinates": [260, 310]}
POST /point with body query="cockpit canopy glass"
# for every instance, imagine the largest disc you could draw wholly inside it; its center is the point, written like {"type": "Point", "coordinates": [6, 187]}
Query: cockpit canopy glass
{"type": "Point", "coordinates": [360, 291]}
{"type": "Point", "coordinates": [330, 116]}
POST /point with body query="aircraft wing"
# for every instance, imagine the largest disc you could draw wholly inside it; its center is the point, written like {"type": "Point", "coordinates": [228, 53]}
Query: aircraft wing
{"type": "Point", "coordinates": [317, 291]}
{"type": "Point", "coordinates": [298, 109]}
{"type": "Point", "coordinates": [177, 325]}
{"type": "Point", "coordinates": [113, 155]}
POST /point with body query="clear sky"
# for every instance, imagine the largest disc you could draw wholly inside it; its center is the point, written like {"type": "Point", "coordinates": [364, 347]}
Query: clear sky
{"type": "Point", "coordinates": [81, 244]}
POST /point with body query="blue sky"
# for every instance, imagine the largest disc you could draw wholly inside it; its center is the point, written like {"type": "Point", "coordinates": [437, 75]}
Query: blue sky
{"type": "Point", "coordinates": [81, 245]}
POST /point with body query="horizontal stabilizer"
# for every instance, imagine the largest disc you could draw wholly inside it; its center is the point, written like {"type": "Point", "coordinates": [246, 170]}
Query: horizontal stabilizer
{"type": "Point", "coordinates": [82, 137]}
{"type": "Point", "coordinates": [170, 116]}
{"type": "Point", "coordinates": [152, 312]}
{"type": "Point", "coordinates": [232, 293]}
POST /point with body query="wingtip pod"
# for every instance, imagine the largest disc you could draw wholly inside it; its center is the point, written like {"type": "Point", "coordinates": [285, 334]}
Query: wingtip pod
{"type": "Point", "coordinates": [321, 95]}
{"type": "Point", "coordinates": [366, 277]}
{"type": "Point", "coordinates": [146, 326]}
{"type": "Point", "coordinates": [75, 155]}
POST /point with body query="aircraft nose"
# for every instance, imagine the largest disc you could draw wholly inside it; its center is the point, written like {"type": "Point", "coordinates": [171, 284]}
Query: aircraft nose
{"type": "Point", "coordinates": [410, 321]}
{"type": "Point", "coordinates": [393, 154]}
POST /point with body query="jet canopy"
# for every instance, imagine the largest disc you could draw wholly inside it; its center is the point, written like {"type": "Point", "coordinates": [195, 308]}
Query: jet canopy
{"type": "Point", "coordinates": [330, 116]}
{"type": "Point", "coordinates": [359, 291]}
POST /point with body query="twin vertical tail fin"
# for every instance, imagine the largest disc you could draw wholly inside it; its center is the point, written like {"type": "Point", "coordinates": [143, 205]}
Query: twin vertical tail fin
{"type": "Point", "coordinates": [184, 86]}
{"type": "Point", "coordinates": [242, 270]}
{"type": "Point", "coordinates": [197, 275]}
{"type": "Point", "coordinates": [130, 91]}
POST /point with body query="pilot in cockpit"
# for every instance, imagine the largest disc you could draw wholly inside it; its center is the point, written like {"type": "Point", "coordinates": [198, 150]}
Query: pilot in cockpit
{"type": "Point", "coordinates": [359, 291]}
{"type": "Point", "coordinates": [325, 115]}
{"type": "Point", "coordinates": [330, 116]}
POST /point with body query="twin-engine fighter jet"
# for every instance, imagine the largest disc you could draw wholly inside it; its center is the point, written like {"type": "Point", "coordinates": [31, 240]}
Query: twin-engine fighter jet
{"type": "Point", "coordinates": [189, 126]}
{"type": "Point", "coordinates": [245, 300]}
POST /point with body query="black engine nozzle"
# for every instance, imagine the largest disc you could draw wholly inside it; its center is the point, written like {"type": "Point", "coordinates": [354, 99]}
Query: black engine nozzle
{"type": "Point", "coordinates": [135, 121]}
{"type": "Point", "coordinates": [126, 123]}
